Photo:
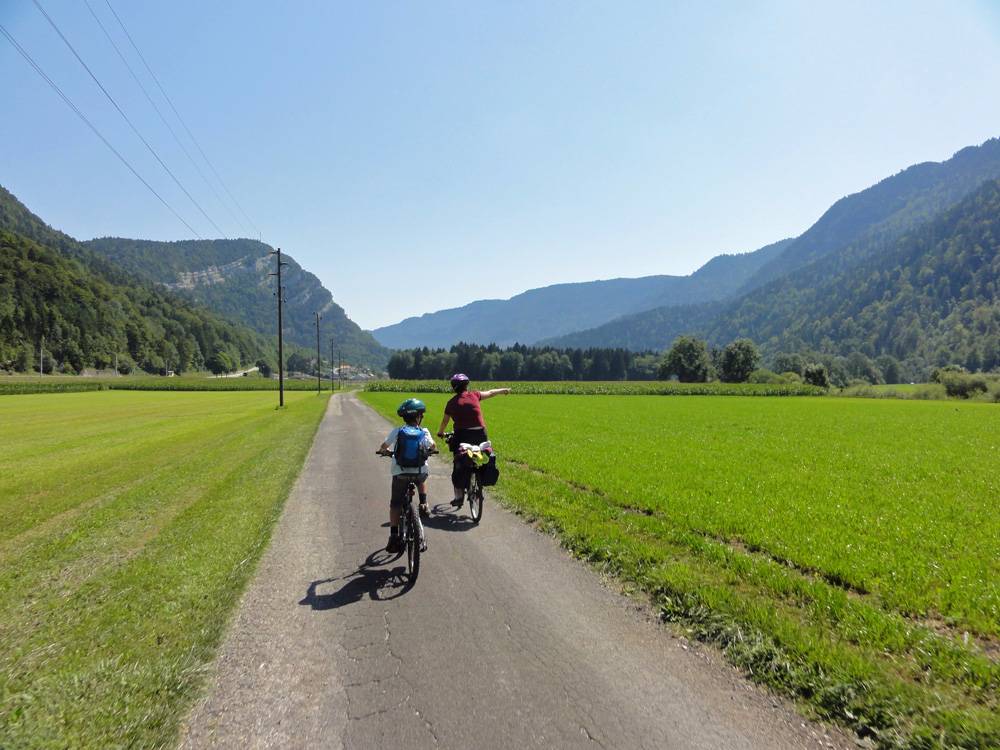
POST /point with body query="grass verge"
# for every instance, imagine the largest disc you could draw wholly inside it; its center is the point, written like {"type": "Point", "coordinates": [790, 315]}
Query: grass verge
{"type": "Point", "coordinates": [129, 526]}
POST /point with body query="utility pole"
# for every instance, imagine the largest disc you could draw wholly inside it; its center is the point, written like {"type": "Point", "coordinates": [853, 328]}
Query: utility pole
{"type": "Point", "coordinates": [340, 368]}
{"type": "Point", "coordinates": [116, 365]}
{"type": "Point", "coordinates": [281, 349]}
{"type": "Point", "coordinates": [319, 362]}
{"type": "Point", "coordinates": [332, 362]}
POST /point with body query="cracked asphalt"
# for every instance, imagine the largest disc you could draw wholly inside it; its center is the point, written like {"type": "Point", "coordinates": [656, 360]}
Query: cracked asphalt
{"type": "Point", "coordinates": [504, 641]}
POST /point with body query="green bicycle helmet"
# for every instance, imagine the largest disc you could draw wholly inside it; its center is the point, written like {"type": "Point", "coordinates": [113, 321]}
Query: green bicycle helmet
{"type": "Point", "coordinates": [411, 407]}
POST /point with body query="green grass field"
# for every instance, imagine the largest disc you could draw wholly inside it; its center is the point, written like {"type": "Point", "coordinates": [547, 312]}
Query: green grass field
{"type": "Point", "coordinates": [18, 385]}
{"type": "Point", "coordinates": [129, 525]}
{"type": "Point", "coordinates": [846, 551]}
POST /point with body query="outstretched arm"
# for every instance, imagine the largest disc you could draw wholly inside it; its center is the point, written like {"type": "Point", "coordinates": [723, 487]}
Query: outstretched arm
{"type": "Point", "coordinates": [494, 392]}
{"type": "Point", "coordinates": [444, 424]}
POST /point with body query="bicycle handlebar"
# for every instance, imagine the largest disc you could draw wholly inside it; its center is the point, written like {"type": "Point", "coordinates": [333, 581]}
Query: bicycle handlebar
{"type": "Point", "coordinates": [390, 454]}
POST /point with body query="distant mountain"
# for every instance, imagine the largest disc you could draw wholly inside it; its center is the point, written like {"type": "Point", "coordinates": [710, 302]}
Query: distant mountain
{"type": "Point", "coordinates": [931, 298]}
{"type": "Point", "coordinates": [550, 311]}
{"type": "Point", "coordinates": [231, 277]}
{"type": "Point", "coordinates": [855, 230]}
{"type": "Point", "coordinates": [886, 210]}
{"type": "Point", "coordinates": [87, 311]}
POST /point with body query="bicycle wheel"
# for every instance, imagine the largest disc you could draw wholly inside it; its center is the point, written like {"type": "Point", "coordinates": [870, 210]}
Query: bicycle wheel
{"type": "Point", "coordinates": [412, 546]}
{"type": "Point", "coordinates": [475, 497]}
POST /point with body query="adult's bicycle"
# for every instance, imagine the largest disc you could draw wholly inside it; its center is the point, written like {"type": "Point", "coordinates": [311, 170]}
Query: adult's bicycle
{"type": "Point", "coordinates": [474, 496]}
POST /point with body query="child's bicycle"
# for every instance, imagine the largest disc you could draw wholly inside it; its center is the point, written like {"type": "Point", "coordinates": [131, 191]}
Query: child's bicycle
{"type": "Point", "coordinates": [411, 531]}
{"type": "Point", "coordinates": [474, 496]}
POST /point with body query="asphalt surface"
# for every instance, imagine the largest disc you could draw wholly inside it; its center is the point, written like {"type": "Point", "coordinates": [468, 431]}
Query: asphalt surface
{"type": "Point", "coordinates": [504, 641]}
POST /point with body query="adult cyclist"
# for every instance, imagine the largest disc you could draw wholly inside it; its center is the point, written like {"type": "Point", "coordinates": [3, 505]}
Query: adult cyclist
{"type": "Point", "coordinates": [470, 427]}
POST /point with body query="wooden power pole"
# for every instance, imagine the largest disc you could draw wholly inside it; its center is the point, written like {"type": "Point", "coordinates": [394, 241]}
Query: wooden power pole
{"type": "Point", "coordinates": [319, 362]}
{"type": "Point", "coordinates": [281, 349]}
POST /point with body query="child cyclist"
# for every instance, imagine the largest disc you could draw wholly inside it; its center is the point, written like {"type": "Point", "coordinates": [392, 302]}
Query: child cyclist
{"type": "Point", "coordinates": [410, 445]}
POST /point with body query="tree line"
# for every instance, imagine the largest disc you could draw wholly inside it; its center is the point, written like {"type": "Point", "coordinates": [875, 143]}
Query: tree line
{"type": "Point", "coordinates": [520, 362]}
{"type": "Point", "coordinates": [689, 359]}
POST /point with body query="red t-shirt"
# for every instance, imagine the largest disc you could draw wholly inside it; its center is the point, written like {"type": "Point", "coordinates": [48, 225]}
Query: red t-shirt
{"type": "Point", "coordinates": [464, 409]}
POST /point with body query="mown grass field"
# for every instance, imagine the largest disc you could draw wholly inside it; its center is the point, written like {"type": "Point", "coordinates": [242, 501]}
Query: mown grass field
{"type": "Point", "coordinates": [845, 551]}
{"type": "Point", "coordinates": [129, 524]}
{"type": "Point", "coordinates": [18, 385]}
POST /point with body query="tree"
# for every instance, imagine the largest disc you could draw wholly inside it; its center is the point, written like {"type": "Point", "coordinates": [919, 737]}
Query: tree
{"type": "Point", "coordinates": [889, 366]}
{"type": "Point", "coordinates": [738, 360]}
{"type": "Point", "coordinates": [297, 363]}
{"type": "Point", "coordinates": [220, 362]}
{"type": "Point", "coordinates": [25, 361]}
{"type": "Point", "coordinates": [264, 367]}
{"type": "Point", "coordinates": [687, 360]}
{"type": "Point", "coordinates": [789, 362]}
{"type": "Point", "coordinates": [816, 374]}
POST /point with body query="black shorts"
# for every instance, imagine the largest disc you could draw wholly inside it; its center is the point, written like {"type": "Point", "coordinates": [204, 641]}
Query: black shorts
{"type": "Point", "coordinates": [399, 484]}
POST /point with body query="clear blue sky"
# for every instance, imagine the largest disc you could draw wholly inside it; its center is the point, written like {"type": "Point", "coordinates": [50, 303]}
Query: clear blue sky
{"type": "Point", "coordinates": [385, 144]}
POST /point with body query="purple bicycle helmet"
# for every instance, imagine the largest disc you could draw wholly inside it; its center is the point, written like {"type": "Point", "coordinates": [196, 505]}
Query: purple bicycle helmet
{"type": "Point", "coordinates": [459, 381]}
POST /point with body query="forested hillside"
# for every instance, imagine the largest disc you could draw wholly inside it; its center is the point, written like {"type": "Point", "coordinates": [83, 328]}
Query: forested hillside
{"type": "Point", "coordinates": [856, 231]}
{"type": "Point", "coordinates": [860, 223]}
{"type": "Point", "coordinates": [86, 319]}
{"type": "Point", "coordinates": [554, 310]}
{"type": "Point", "coordinates": [929, 298]}
{"type": "Point", "coordinates": [231, 277]}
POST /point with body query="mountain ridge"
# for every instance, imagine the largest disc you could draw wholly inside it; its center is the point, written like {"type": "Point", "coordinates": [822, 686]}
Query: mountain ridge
{"type": "Point", "coordinates": [916, 195]}
{"type": "Point", "coordinates": [542, 312]}
{"type": "Point", "coordinates": [231, 276]}
{"type": "Point", "coordinates": [91, 313]}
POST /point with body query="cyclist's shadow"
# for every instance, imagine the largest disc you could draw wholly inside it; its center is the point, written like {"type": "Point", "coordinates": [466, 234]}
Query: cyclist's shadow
{"type": "Point", "coordinates": [445, 517]}
{"type": "Point", "coordinates": [368, 581]}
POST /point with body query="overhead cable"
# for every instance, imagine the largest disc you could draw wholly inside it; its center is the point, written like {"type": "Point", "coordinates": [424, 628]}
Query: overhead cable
{"type": "Point", "coordinates": [125, 117]}
{"type": "Point", "coordinates": [181, 119]}
{"type": "Point", "coordinates": [91, 125]}
{"type": "Point", "coordinates": [163, 119]}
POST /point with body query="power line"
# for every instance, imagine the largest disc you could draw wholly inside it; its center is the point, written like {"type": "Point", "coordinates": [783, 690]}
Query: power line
{"type": "Point", "coordinates": [124, 116]}
{"type": "Point", "coordinates": [91, 125]}
{"type": "Point", "coordinates": [163, 119]}
{"type": "Point", "coordinates": [181, 119]}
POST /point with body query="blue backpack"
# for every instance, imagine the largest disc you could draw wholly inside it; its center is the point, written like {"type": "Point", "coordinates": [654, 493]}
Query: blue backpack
{"type": "Point", "coordinates": [410, 452]}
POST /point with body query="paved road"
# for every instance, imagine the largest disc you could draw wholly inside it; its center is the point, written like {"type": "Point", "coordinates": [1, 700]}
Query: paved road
{"type": "Point", "coordinates": [505, 641]}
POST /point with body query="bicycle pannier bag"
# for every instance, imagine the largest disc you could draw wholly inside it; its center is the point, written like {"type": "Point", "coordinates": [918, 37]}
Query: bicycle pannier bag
{"type": "Point", "coordinates": [489, 474]}
{"type": "Point", "coordinates": [410, 452]}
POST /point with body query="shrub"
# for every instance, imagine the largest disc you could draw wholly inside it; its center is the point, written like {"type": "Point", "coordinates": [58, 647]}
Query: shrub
{"type": "Point", "coordinates": [939, 373]}
{"type": "Point", "coordinates": [963, 385]}
{"type": "Point", "coordinates": [929, 392]}
{"type": "Point", "coordinates": [816, 374]}
{"type": "Point", "coordinates": [764, 375]}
